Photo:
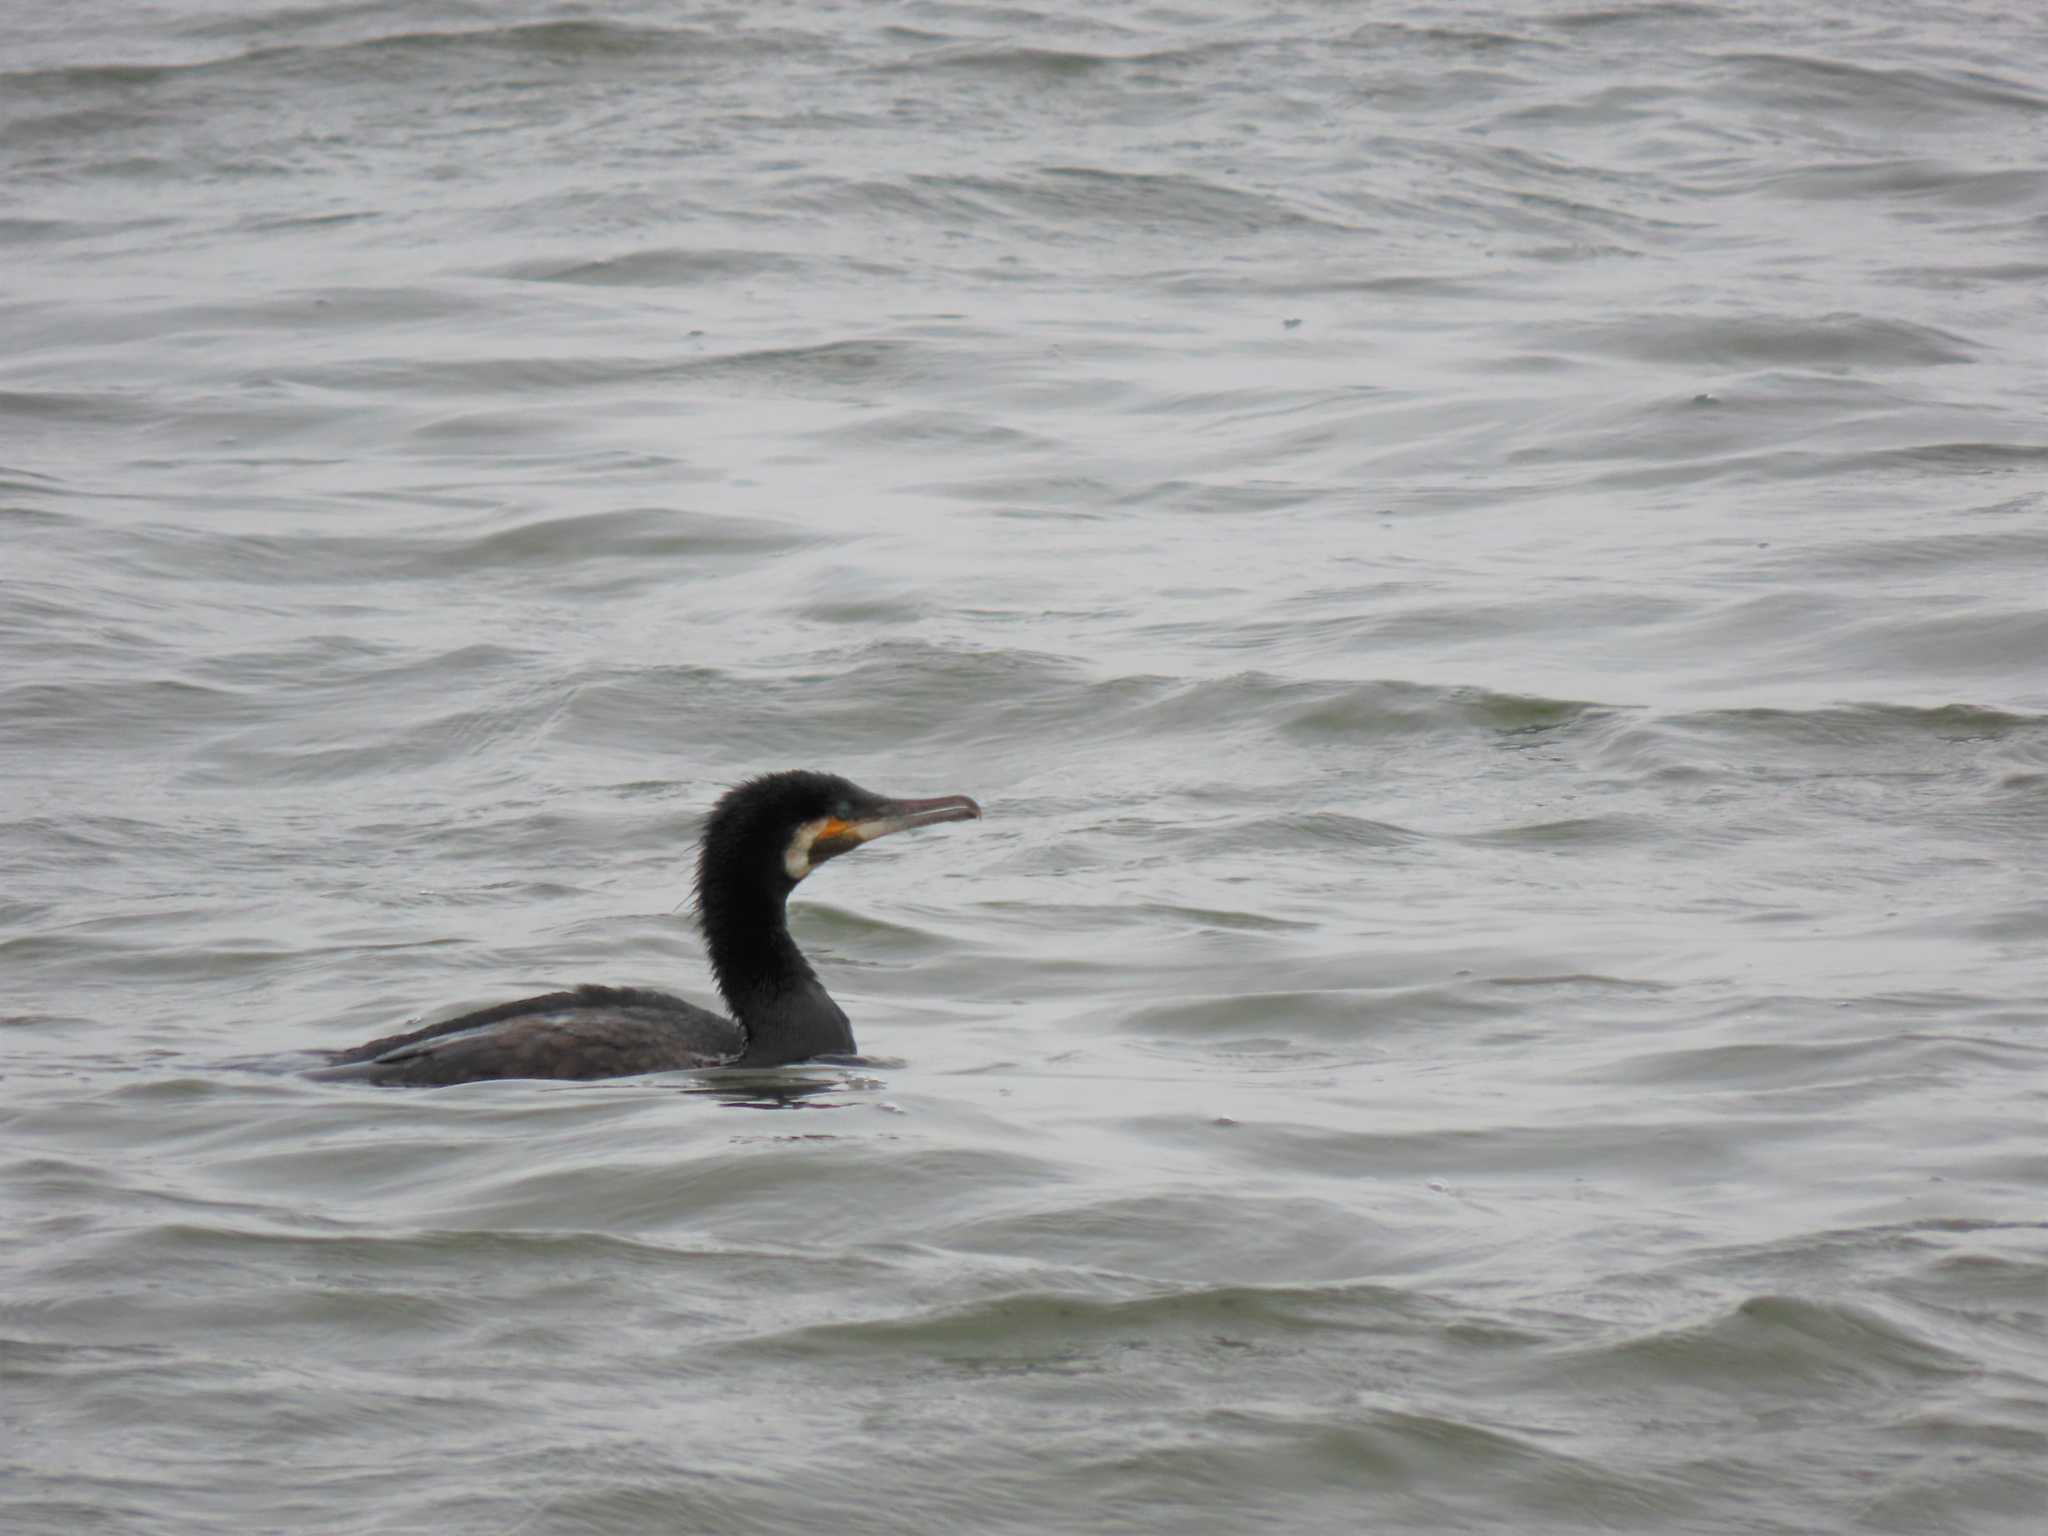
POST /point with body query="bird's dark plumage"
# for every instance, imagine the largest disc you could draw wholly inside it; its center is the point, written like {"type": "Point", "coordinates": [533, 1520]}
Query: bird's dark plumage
{"type": "Point", "coordinates": [762, 839]}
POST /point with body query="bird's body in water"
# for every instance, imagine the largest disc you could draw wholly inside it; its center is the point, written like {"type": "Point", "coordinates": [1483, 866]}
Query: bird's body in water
{"type": "Point", "coordinates": [762, 839]}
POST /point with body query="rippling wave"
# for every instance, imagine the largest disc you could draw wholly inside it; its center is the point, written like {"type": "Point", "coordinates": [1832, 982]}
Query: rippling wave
{"type": "Point", "coordinates": [1486, 568]}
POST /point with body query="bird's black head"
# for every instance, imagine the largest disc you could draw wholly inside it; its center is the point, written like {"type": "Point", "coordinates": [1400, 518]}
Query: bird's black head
{"type": "Point", "coordinates": [765, 835]}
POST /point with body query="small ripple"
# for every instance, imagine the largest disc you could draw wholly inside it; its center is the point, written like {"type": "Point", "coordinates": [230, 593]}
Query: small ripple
{"type": "Point", "coordinates": [1571, 832]}
{"type": "Point", "coordinates": [1783, 1345]}
{"type": "Point", "coordinates": [671, 267]}
{"type": "Point", "coordinates": [1731, 341]}
{"type": "Point", "coordinates": [85, 711]}
{"type": "Point", "coordinates": [1080, 1312]}
{"type": "Point", "coordinates": [1882, 97]}
{"type": "Point", "coordinates": [647, 543]}
{"type": "Point", "coordinates": [1898, 736]}
{"type": "Point", "coordinates": [1351, 1018]}
{"type": "Point", "coordinates": [1913, 180]}
{"type": "Point", "coordinates": [1379, 709]}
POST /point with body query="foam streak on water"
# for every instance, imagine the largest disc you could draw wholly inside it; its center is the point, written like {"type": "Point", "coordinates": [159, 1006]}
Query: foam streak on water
{"type": "Point", "coordinates": [1485, 560]}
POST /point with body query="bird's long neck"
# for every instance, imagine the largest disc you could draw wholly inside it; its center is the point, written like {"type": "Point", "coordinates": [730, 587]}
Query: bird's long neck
{"type": "Point", "coordinates": [772, 990]}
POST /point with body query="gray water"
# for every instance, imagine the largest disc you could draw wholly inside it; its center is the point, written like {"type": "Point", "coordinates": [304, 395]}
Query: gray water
{"type": "Point", "coordinates": [1489, 563]}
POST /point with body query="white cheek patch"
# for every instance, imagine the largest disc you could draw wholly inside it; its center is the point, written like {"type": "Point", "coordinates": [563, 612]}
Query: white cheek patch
{"type": "Point", "coordinates": [796, 858]}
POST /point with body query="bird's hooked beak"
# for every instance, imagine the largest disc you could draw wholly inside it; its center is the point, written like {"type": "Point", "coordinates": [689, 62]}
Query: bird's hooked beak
{"type": "Point", "coordinates": [902, 815]}
{"type": "Point", "coordinates": [830, 836]}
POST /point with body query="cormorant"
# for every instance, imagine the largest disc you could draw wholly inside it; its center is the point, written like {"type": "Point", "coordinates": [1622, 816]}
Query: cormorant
{"type": "Point", "coordinates": [763, 837]}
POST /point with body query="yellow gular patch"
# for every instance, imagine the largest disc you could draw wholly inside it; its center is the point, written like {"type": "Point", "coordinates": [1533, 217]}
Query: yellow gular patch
{"type": "Point", "coordinates": [796, 858]}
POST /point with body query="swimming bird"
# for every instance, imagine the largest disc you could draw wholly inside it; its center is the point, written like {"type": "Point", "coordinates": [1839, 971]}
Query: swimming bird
{"type": "Point", "coordinates": [763, 838]}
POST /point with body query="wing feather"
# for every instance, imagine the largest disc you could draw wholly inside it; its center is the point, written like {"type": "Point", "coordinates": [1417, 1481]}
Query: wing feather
{"type": "Point", "coordinates": [586, 1033]}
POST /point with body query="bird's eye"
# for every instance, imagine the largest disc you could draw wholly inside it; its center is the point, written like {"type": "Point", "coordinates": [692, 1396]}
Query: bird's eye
{"type": "Point", "coordinates": [843, 810]}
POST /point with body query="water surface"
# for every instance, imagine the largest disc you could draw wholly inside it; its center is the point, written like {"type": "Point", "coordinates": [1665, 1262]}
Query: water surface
{"type": "Point", "coordinates": [1485, 561]}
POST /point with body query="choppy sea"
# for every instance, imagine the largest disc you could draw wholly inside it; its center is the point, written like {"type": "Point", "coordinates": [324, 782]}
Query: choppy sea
{"type": "Point", "coordinates": [1488, 562]}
